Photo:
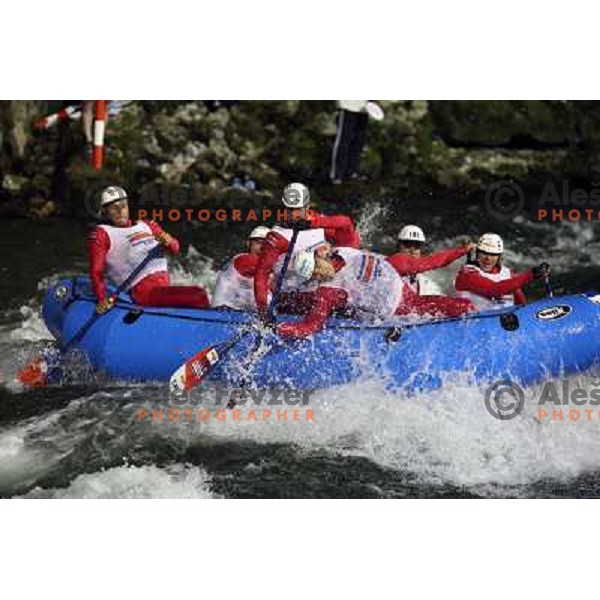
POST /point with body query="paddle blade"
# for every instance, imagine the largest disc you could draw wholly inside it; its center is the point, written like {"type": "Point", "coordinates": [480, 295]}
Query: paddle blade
{"type": "Point", "coordinates": [35, 373]}
{"type": "Point", "coordinates": [194, 370]}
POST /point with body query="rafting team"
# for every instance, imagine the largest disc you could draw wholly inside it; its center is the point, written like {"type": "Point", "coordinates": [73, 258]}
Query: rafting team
{"type": "Point", "coordinates": [328, 273]}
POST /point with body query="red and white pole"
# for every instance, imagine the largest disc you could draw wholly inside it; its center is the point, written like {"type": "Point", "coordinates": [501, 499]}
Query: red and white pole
{"type": "Point", "coordinates": [64, 114]}
{"type": "Point", "coordinates": [99, 127]}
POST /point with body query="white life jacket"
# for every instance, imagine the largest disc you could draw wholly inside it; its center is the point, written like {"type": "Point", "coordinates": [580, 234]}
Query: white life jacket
{"type": "Point", "coordinates": [481, 302]}
{"type": "Point", "coordinates": [234, 289]}
{"type": "Point", "coordinates": [128, 248]}
{"type": "Point", "coordinates": [373, 286]}
{"type": "Point", "coordinates": [309, 238]}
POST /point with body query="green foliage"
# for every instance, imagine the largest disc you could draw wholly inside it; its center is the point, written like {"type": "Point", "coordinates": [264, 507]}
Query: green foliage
{"type": "Point", "coordinates": [419, 147]}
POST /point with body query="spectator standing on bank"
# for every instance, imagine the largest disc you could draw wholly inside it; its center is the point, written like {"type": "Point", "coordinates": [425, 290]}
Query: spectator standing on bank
{"type": "Point", "coordinates": [352, 121]}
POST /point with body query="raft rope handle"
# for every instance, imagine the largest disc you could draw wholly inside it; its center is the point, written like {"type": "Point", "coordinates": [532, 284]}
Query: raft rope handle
{"type": "Point", "coordinates": [149, 310]}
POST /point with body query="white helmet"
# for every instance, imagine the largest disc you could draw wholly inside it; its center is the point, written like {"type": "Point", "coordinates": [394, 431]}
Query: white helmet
{"type": "Point", "coordinates": [491, 243]}
{"type": "Point", "coordinates": [304, 264]}
{"type": "Point", "coordinates": [259, 233]}
{"type": "Point", "coordinates": [411, 233]}
{"type": "Point", "coordinates": [296, 195]}
{"type": "Point", "coordinates": [111, 194]}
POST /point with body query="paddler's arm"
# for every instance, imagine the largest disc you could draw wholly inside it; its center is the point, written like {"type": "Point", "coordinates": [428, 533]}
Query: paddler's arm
{"type": "Point", "coordinates": [339, 229]}
{"type": "Point", "coordinates": [98, 247]}
{"type": "Point", "coordinates": [327, 299]}
{"type": "Point", "coordinates": [520, 298]}
{"type": "Point", "coordinates": [468, 280]}
{"type": "Point", "coordinates": [245, 264]}
{"type": "Point", "coordinates": [169, 242]}
{"type": "Point", "coordinates": [411, 265]}
{"type": "Point", "coordinates": [273, 247]}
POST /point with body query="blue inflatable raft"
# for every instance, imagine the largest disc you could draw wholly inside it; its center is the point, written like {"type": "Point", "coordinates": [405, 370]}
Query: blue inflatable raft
{"type": "Point", "coordinates": [551, 337]}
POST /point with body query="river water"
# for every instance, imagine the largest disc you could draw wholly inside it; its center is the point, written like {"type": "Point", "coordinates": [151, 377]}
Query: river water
{"type": "Point", "coordinates": [365, 441]}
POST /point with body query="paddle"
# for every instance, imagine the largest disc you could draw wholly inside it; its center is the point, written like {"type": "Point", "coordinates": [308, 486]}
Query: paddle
{"type": "Point", "coordinates": [194, 370]}
{"type": "Point", "coordinates": [37, 372]}
{"type": "Point", "coordinates": [154, 253]}
{"type": "Point", "coordinates": [548, 285]}
{"type": "Point", "coordinates": [279, 284]}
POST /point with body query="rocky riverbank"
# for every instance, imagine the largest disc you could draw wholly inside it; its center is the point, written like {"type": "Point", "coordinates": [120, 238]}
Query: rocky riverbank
{"type": "Point", "coordinates": [421, 148]}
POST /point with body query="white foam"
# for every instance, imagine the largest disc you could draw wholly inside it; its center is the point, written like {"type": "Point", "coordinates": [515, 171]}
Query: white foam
{"type": "Point", "coordinates": [565, 244]}
{"type": "Point", "coordinates": [16, 341]}
{"type": "Point", "coordinates": [441, 437]}
{"type": "Point", "coordinates": [446, 436]}
{"type": "Point", "coordinates": [89, 431]}
{"type": "Point", "coordinates": [20, 461]}
{"type": "Point", "coordinates": [199, 272]}
{"type": "Point", "coordinates": [32, 328]}
{"type": "Point", "coordinates": [176, 481]}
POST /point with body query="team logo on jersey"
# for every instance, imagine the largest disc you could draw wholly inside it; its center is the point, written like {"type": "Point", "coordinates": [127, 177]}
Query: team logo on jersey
{"type": "Point", "coordinates": [139, 237]}
{"type": "Point", "coordinates": [370, 268]}
{"type": "Point", "coordinates": [553, 312]}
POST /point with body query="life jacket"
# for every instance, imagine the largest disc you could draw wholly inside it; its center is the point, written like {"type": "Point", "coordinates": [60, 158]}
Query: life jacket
{"type": "Point", "coordinates": [481, 302]}
{"type": "Point", "coordinates": [234, 289]}
{"type": "Point", "coordinates": [374, 288]}
{"type": "Point", "coordinates": [128, 248]}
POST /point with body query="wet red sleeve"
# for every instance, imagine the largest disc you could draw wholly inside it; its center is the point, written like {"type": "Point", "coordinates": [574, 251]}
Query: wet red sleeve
{"type": "Point", "coordinates": [411, 265]}
{"type": "Point", "coordinates": [156, 229]}
{"type": "Point", "coordinates": [339, 229]}
{"type": "Point", "coordinates": [469, 280]}
{"type": "Point", "coordinates": [434, 305]}
{"type": "Point", "coordinates": [520, 298]}
{"type": "Point", "coordinates": [273, 247]}
{"type": "Point", "coordinates": [245, 264]}
{"type": "Point", "coordinates": [401, 263]}
{"type": "Point", "coordinates": [98, 247]}
{"type": "Point", "coordinates": [326, 300]}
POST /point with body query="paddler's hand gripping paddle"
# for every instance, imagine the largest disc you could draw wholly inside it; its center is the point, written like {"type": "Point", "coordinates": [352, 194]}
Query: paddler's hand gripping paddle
{"type": "Point", "coordinates": [194, 370]}
{"type": "Point", "coordinates": [37, 372]}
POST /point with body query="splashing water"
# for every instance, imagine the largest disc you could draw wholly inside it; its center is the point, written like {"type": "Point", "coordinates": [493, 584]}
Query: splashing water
{"type": "Point", "coordinates": [177, 481]}
{"type": "Point", "coordinates": [70, 448]}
